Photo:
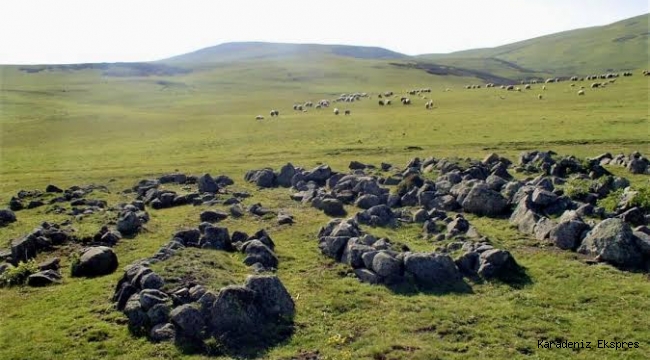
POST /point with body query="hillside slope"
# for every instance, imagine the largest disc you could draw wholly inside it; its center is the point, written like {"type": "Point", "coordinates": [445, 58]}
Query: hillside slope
{"type": "Point", "coordinates": [241, 51]}
{"type": "Point", "coordinates": [619, 46]}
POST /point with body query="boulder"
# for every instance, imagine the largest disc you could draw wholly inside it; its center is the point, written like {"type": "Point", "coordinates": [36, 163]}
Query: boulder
{"type": "Point", "coordinates": [44, 278]}
{"type": "Point", "coordinates": [367, 201]}
{"type": "Point", "coordinates": [483, 201]}
{"type": "Point", "coordinates": [257, 252]}
{"type": "Point", "coordinates": [213, 216]}
{"type": "Point", "coordinates": [158, 313]}
{"type": "Point", "coordinates": [215, 237]}
{"type": "Point", "coordinates": [234, 313]}
{"type": "Point", "coordinates": [612, 241]}
{"type": "Point", "coordinates": [23, 249]}
{"type": "Point", "coordinates": [566, 235]}
{"type": "Point", "coordinates": [367, 276]}
{"type": "Point", "coordinates": [386, 266]}
{"type": "Point", "coordinates": [495, 263]}
{"type": "Point", "coordinates": [129, 223]}
{"type": "Point", "coordinates": [162, 332]}
{"type": "Point", "coordinates": [207, 184]}
{"type": "Point", "coordinates": [543, 197]}
{"type": "Point", "coordinates": [286, 174]}
{"type": "Point", "coordinates": [151, 297]}
{"type": "Point", "coordinates": [188, 321]}
{"type": "Point", "coordinates": [273, 298]}
{"type": "Point", "coordinates": [318, 174]}
{"type": "Point", "coordinates": [333, 246]}
{"type": "Point", "coordinates": [133, 310]}
{"type": "Point", "coordinates": [432, 269]}
{"type": "Point", "coordinates": [7, 217]}
{"type": "Point", "coordinates": [95, 261]}
{"type": "Point", "coordinates": [332, 207]}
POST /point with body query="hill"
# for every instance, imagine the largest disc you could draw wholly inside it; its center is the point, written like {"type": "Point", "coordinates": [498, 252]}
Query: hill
{"type": "Point", "coordinates": [619, 46]}
{"type": "Point", "coordinates": [243, 51]}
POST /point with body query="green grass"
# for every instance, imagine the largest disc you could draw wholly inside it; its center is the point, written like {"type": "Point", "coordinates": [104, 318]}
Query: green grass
{"type": "Point", "coordinates": [116, 131]}
{"type": "Point", "coordinates": [619, 46]}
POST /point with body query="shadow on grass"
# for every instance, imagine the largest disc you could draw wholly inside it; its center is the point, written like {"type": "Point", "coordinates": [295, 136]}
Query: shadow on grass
{"type": "Point", "coordinates": [252, 345]}
{"type": "Point", "coordinates": [411, 288]}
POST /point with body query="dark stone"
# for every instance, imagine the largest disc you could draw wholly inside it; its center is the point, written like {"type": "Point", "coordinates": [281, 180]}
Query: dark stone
{"type": "Point", "coordinates": [95, 261]}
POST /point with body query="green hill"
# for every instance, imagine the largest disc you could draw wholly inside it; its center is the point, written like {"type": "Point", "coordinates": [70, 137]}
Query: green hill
{"type": "Point", "coordinates": [241, 51]}
{"type": "Point", "coordinates": [619, 46]}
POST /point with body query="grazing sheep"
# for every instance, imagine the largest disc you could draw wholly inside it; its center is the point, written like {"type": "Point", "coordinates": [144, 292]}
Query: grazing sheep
{"type": "Point", "coordinates": [510, 87]}
{"type": "Point", "coordinates": [381, 102]}
{"type": "Point", "coordinates": [527, 87]}
{"type": "Point", "coordinates": [347, 112]}
{"type": "Point", "coordinates": [581, 92]}
{"type": "Point", "coordinates": [274, 113]}
{"type": "Point", "coordinates": [380, 96]}
{"type": "Point", "coordinates": [336, 111]}
{"type": "Point", "coordinates": [259, 117]}
{"type": "Point", "coordinates": [388, 102]}
{"type": "Point", "coordinates": [548, 81]}
{"type": "Point", "coordinates": [574, 78]}
{"type": "Point", "coordinates": [595, 85]}
{"type": "Point", "coordinates": [406, 101]}
{"type": "Point", "coordinates": [539, 96]}
{"type": "Point", "coordinates": [544, 87]}
{"type": "Point", "coordinates": [518, 88]}
{"type": "Point", "coordinates": [646, 73]}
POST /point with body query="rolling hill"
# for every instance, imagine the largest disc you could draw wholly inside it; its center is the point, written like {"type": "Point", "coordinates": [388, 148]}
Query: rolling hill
{"type": "Point", "coordinates": [619, 46]}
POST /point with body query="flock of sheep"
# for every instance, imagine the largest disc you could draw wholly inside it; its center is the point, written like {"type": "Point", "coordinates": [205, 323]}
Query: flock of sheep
{"type": "Point", "coordinates": [384, 98]}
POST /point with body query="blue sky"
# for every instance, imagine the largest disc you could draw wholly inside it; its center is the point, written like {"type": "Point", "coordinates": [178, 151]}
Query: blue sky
{"type": "Point", "coordinates": [73, 31]}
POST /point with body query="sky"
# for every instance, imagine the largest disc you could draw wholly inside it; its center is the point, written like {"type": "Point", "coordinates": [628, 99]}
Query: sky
{"type": "Point", "coordinates": [77, 31]}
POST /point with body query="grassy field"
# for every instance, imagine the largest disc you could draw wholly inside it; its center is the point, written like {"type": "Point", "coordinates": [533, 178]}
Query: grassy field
{"type": "Point", "coordinates": [77, 128]}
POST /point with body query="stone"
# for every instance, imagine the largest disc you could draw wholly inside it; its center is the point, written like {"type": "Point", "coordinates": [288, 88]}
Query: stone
{"type": "Point", "coordinates": [432, 269]}
{"type": "Point", "coordinates": [257, 252]}
{"type": "Point", "coordinates": [7, 217]}
{"type": "Point", "coordinates": [95, 261]}
{"type": "Point", "coordinates": [332, 207]}
{"type": "Point", "coordinates": [367, 276]}
{"type": "Point", "coordinates": [151, 297]}
{"type": "Point", "coordinates": [162, 332]}
{"type": "Point", "coordinates": [420, 216]}
{"type": "Point", "coordinates": [158, 314]}
{"type": "Point", "coordinates": [213, 216]}
{"type": "Point", "coordinates": [207, 184]}
{"type": "Point", "coordinates": [236, 210]}
{"type": "Point", "coordinates": [134, 312]}
{"type": "Point", "coordinates": [543, 197]}
{"type": "Point", "coordinates": [274, 299]}
{"type": "Point", "coordinates": [566, 235]}
{"type": "Point", "coordinates": [468, 263]}
{"type": "Point", "coordinates": [333, 246]}
{"type": "Point", "coordinates": [367, 201]}
{"type": "Point", "coordinates": [151, 281]}
{"type": "Point", "coordinates": [483, 201]}
{"type": "Point", "coordinates": [384, 265]}
{"type": "Point", "coordinates": [128, 223]}
{"type": "Point", "coordinates": [217, 238]}
{"type": "Point", "coordinates": [43, 278]}
{"type": "Point", "coordinates": [188, 320]}
{"type": "Point", "coordinates": [495, 263]}
{"type": "Point", "coordinates": [612, 241]}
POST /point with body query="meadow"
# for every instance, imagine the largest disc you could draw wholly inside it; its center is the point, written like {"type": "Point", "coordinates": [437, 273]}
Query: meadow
{"type": "Point", "coordinates": [79, 127]}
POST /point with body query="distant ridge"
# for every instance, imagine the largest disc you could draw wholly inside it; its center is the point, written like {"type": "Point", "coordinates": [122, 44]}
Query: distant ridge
{"type": "Point", "coordinates": [241, 51]}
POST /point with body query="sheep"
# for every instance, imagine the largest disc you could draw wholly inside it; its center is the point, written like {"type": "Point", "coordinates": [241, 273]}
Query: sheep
{"type": "Point", "coordinates": [259, 117]}
{"type": "Point", "coordinates": [347, 112]}
{"type": "Point", "coordinates": [381, 102]}
{"type": "Point", "coordinates": [388, 102]}
{"type": "Point", "coordinates": [274, 113]}
{"type": "Point", "coordinates": [318, 106]}
{"type": "Point", "coordinates": [646, 72]}
{"type": "Point", "coordinates": [518, 88]}
{"type": "Point", "coordinates": [510, 87]}
{"type": "Point", "coordinates": [595, 85]}
{"type": "Point", "coordinates": [581, 92]}
{"type": "Point", "coordinates": [544, 87]}
{"type": "Point", "coordinates": [406, 101]}
{"type": "Point", "coordinates": [527, 87]}
{"type": "Point", "coordinates": [539, 96]}
{"type": "Point", "coordinates": [550, 80]}
{"type": "Point", "coordinates": [336, 111]}
{"type": "Point", "coordinates": [574, 78]}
